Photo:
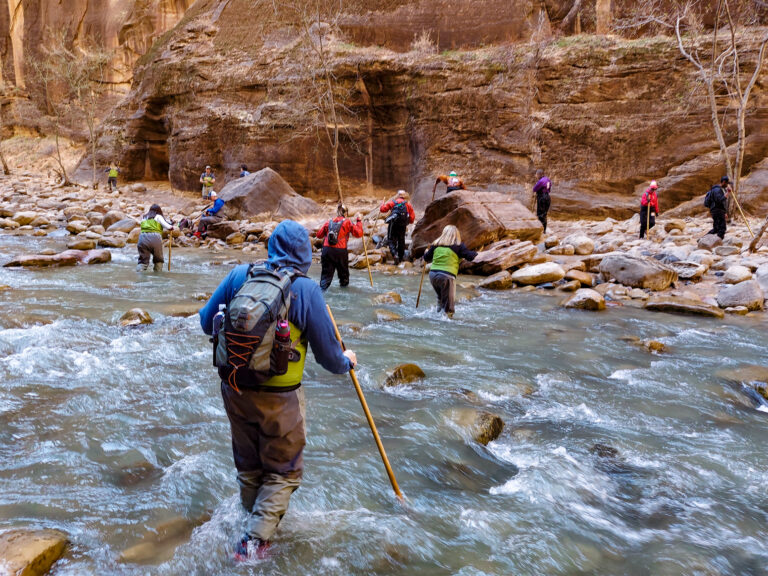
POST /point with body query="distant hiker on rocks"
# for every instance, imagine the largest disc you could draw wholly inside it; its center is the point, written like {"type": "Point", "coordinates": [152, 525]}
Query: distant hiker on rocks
{"type": "Point", "coordinates": [446, 253]}
{"type": "Point", "coordinates": [207, 179]}
{"type": "Point", "coordinates": [112, 172]}
{"type": "Point", "coordinates": [210, 215]}
{"type": "Point", "coordinates": [151, 239]}
{"type": "Point", "coordinates": [452, 182]}
{"type": "Point", "coordinates": [541, 190]}
{"type": "Point", "coordinates": [267, 412]}
{"type": "Point", "coordinates": [717, 202]}
{"type": "Point", "coordinates": [244, 171]}
{"type": "Point", "coordinates": [401, 214]}
{"type": "Point", "coordinates": [335, 256]}
{"type": "Point", "coordinates": [649, 201]}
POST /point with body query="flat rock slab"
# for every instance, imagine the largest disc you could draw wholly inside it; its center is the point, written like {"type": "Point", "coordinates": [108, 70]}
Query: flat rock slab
{"type": "Point", "coordinates": [499, 256]}
{"type": "Point", "coordinates": [481, 217]}
{"type": "Point", "coordinates": [66, 258]}
{"type": "Point", "coordinates": [676, 305]}
{"type": "Point", "coordinates": [637, 272]}
{"type": "Point", "coordinates": [30, 552]}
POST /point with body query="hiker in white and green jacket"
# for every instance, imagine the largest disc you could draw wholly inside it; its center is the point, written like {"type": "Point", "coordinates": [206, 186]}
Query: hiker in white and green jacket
{"type": "Point", "coordinates": [446, 253]}
{"type": "Point", "coordinates": [112, 173]}
{"type": "Point", "coordinates": [151, 239]}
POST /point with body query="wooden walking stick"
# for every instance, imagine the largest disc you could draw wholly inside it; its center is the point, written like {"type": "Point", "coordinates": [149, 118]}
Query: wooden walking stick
{"type": "Point", "coordinates": [368, 416]}
{"type": "Point", "coordinates": [367, 262]}
{"type": "Point", "coordinates": [434, 188]}
{"type": "Point", "coordinates": [170, 245]}
{"type": "Point", "coordinates": [421, 283]}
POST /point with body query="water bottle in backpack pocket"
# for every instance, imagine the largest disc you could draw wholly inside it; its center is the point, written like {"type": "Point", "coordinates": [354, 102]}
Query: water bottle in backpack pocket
{"type": "Point", "coordinates": [399, 214]}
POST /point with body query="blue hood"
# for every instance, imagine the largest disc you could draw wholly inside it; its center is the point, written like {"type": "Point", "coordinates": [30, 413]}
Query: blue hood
{"type": "Point", "coordinates": [289, 246]}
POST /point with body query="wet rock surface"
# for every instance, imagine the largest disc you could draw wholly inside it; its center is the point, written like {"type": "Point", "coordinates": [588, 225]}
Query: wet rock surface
{"type": "Point", "coordinates": [25, 552]}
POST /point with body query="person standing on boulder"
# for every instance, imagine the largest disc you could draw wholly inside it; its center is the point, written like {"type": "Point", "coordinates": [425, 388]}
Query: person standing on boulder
{"type": "Point", "coordinates": [210, 215]}
{"type": "Point", "coordinates": [452, 182]}
{"type": "Point", "coordinates": [267, 420]}
{"type": "Point", "coordinates": [541, 191]}
{"type": "Point", "coordinates": [717, 202]}
{"type": "Point", "coordinates": [446, 253]}
{"type": "Point", "coordinates": [244, 171]}
{"type": "Point", "coordinates": [335, 256]}
{"type": "Point", "coordinates": [207, 179]}
{"type": "Point", "coordinates": [649, 202]}
{"type": "Point", "coordinates": [151, 239]}
{"type": "Point", "coordinates": [401, 214]}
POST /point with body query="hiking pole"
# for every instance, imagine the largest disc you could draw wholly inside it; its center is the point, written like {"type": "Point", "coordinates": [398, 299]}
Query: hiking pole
{"type": "Point", "coordinates": [421, 283]}
{"type": "Point", "coordinates": [367, 262]}
{"type": "Point", "coordinates": [170, 245]}
{"type": "Point", "coordinates": [433, 190]}
{"type": "Point", "coordinates": [368, 416]}
{"type": "Point", "coordinates": [648, 221]}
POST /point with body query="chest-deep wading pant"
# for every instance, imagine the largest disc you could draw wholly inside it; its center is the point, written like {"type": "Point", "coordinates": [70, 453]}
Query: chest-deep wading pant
{"type": "Point", "coordinates": [150, 244]}
{"type": "Point", "coordinates": [332, 260]}
{"type": "Point", "coordinates": [718, 222]}
{"type": "Point", "coordinates": [542, 208]}
{"type": "Point", "coordinates": [268, 438]}
{"type": "Point", "coordinates": [396, 237]}
{"type": "Point", "coordinates": [445, 288]}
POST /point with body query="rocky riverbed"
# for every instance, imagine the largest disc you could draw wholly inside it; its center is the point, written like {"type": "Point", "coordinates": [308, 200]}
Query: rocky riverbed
{"type": "Point", "coordinates": [679, 268]}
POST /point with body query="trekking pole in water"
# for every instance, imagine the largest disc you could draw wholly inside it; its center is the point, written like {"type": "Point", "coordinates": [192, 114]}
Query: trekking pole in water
{"type": "Point", "coordinates": [170, 245]}
{"type": "Point", "coordinates": [364, 404]}
{"type": "Point", "coordinates": [421, 283]}
{"type": "Point", "coordinates": [367, 262]}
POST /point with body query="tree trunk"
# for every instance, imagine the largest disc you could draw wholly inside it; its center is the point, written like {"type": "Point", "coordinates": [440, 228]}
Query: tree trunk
{"type": "Point", "coordinates": [756, 239]}
{"type": "Point", "coordinates": [604, 16]}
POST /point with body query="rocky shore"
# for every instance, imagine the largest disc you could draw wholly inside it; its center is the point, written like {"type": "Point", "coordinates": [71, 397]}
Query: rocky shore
{"type": "Point", "coordinates": [679, 269]}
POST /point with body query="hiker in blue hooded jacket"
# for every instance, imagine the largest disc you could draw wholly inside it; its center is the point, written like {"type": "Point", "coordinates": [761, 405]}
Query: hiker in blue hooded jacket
{"type": "Point", "coordinates": [267, 421]}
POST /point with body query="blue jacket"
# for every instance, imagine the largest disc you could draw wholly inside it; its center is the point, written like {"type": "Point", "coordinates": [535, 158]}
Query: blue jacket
{"type": "Point", "coordinates": [289, 247]}
{"type": "Point", "coordinates": [217, 205]}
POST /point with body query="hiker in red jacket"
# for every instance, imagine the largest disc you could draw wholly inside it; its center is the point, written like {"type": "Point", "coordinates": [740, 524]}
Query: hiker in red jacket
{"type": "Point", "coordinates": [649, 200]}
{"type": "Point", "coordinates": [401, 214]}
{"type": "Point", "coordinates": [335, 257]}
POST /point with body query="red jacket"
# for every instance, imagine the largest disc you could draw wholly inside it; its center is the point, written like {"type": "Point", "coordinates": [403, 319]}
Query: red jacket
{"type": "Point", "coordinates": [650, 196]}
{"type": "Point", "coordinates": [387, 206]}
{"type": "Point", "coordinates": [346, 228]}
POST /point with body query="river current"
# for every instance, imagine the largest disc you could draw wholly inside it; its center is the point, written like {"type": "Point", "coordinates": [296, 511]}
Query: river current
{"type": "Point", "coordinates": [612, 460]}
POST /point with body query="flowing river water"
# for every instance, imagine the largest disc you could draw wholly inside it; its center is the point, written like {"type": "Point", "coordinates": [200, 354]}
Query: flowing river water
{"type": "Point", "coordinates": [612, 460]}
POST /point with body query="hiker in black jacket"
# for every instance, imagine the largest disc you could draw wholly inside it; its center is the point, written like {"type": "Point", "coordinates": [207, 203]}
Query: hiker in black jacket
{"type": "Point", "coordinates": [717, 200]}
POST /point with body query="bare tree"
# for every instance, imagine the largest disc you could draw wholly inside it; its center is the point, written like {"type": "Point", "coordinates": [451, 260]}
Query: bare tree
{"type": "Point", "coordinates": [4, 89]}
{"type": "Point", "coordinates": [73, 80]}
{"type": "Point", "coordinates": [317, 21]}
{"type": "Point", "coordinates": [724, 79]}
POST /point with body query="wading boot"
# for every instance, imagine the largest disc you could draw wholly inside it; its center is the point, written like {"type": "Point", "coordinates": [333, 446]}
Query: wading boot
{"type": "Point", "coordinates": [157, 267]}
{"type": "Point", "coordinates": [251, 549]}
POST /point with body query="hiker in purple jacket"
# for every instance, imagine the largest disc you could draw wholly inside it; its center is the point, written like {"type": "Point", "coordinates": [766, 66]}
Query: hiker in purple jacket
{"type": "Point", "coordinates": [541, 189]}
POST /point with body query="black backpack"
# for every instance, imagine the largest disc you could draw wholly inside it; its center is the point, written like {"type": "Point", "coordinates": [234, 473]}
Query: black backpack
{"type": "Point", "coordinates": [399, 214]}
{"type": "Point", "coordinates": [711, 200]}
{"type": "Point", "coordinates": [333, 231]}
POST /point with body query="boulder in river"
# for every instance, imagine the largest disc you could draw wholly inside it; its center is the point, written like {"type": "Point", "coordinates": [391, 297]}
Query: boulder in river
{"type": "Point", "coordinates": [65, 258]}
{"type": "Point", "coordinates": [539, 274]}
{"type": "Point", "coordinates": [265, 191]}
{"type": "Point", "coordinates": [499, 256]}
{"type": "Point", "coordinates": [736, 274]}
{"type": "Point", "coordinates": [81, 244]}
{"type": "Point", "coordinates": [111, 217]}
{"type": "Point", "coordinates": [404, 374]}
{"type": "Point", "coordinates": [125, 226]}
{"type": "Point", "coordinates": [160, 544]}
{"type": "Point", "coordinates": [24, 218]}
{"type": "Point", "coordinates": [77, 226]}
{"type": "Point", "coordinates": [680, 305]}
{"type": "Point", "coordinates": [388, 298]}
{"type": "Point", "coordinates": [637, 272]}
{"type": "Point", "coordinates": [586, 279]}
{"type": "Point", "coordinates": [501, 281]}
{"type": "Point", "coordinates": [116, 240]}
{"type": "Point", "coordinates": [359, 263]}
{"type": "Point", "coordinates": [482, 426]}
{"type": "Point", "coordinates": [582, 245]}
{"type": "Point", "coordinates": [586, 299]}
{"type": "Point", "coordinates": [30, 552]}
{"type": "Point", "coordinates": [746, 293]}
{"type": "Point", "coordinates": [481, 217]}
{"type": "Point", "coordinates": [135, 317]}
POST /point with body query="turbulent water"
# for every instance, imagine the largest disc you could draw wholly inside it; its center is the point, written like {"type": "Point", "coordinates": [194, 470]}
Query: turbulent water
{"type": "Point", "coordinates": [612, 460]}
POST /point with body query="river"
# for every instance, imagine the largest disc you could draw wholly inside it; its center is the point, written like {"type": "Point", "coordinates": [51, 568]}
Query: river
{"type": "Point", "coordinates": [612, 460]}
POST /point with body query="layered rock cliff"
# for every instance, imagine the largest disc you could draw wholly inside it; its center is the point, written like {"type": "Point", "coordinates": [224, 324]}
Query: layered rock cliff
{"type": "Point", "coordinates": [233, 83]}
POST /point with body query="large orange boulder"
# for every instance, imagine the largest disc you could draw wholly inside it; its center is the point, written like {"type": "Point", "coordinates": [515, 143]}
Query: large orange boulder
{"type": "Point", "coordinates": [262, 192]}
{"type": "Point", "coordinates": [481, 217]}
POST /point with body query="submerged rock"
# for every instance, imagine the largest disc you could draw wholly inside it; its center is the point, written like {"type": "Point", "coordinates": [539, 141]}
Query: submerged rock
{"type": "Point", "coordinates": [160, 545]}
{"type": "Point", "coordinates": [404, 374]}
{"type": "Point", "coordinates": [388, 298]}
{"type": "Point", "coordinates": [30, 552]}
{"type": "Point", "coordinates": [654, 346]}
{"type": "Point", "coordinates": [135, 317]}
{"type": "Point", "coordinates": [383, 315]}
{"type": "Point", "coordinates": [501, 281]}
{"type": "Point", "coordinates": [66, 258]}
{"type": "Point", "coordinates": [482, 426]}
